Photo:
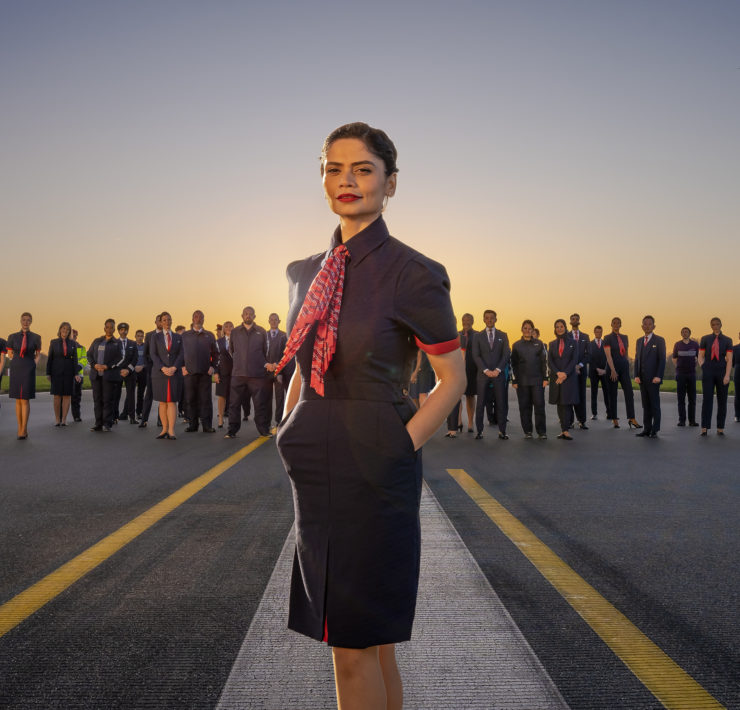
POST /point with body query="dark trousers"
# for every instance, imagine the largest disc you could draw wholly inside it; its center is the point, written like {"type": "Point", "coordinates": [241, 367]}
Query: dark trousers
{"type": "Point", "coordinates": [277, 386]}
{"type": "Point", "coordinates": [565, 415]}
{"type": "Point", "coordinates": [243, 389]}
{"type": "Point", "coordinates": [711, 380]}
{"type": "Point", "coordinates": [492, 389]}
{"type": "Point", "coordinates": [737, 391]}
{"type": "Point", "coordinates": [140, 379]}
{"type": "Point", "coordinates": [650, 396]}
{"type": "Point", "coordinates": [148, 395]}
{"type": "Point", "coordinates": [129, 408]}
{"type": "Point", "coordinates": [580, 408]}
{"type": "Point", "coordinates": [453, 418]}
{"type": "Point", "coordinates": [104, 393]}
{"type": "Point", "coordinates": [623, 378]}
{"type": "Point", "coordinates": [198, 399]}
{"type": "Point", "coordinates": [596, 381]}
{"type": "Point", "coordinates": [76, 400]}
{"type": "Point", "coordinates": [532, 397]}
{"type": "Point", "coordinates": [686, 388]}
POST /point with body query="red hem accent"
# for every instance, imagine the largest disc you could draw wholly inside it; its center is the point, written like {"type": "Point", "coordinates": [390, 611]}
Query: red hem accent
{"type": "Point", "coordinates": [326, 632]}
{"type": "Point", "coordinates": [439, 348]}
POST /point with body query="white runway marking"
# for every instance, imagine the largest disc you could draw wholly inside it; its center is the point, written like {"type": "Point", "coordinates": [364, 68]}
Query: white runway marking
{"type": "Point", "coordinates": [466, 652]}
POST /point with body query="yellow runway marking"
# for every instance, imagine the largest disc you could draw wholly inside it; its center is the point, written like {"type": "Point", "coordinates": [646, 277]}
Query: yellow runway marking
{"type": "Point", "coordinates": [673, 687]}
{"type": "Point", "coordinates": [29, 601]}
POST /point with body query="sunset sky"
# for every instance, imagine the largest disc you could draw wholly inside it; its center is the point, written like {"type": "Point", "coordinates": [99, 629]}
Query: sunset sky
{"type": "Point", "coordinates": [556, 156]}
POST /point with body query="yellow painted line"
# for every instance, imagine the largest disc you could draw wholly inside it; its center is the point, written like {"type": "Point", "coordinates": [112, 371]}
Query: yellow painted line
{"type": "Point", "coordinates": [29, 601]}
{"type": "Point", "coordinates": [673, 687]}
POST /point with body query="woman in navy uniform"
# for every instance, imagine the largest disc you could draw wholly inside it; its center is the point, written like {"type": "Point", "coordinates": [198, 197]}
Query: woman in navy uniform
{"type": "Point", "coordinates": [562, 358]}
{"type": "Point", "coordinates": [62, 370]}
{"type": "Point", "coordinates": [616, 347]}
{"type": "Point", "coordinates": [529, 378]}
{"type": "Point", "coordinates": [225, 365]}
{"type": "Point", "coordinates": [24, 348]}
{"type": "Point", "coordinates": [715, 360]}
{"type": "Point", "coordinates": [353, 453]}
{"type": "Point", "coordinates": [167, 382]}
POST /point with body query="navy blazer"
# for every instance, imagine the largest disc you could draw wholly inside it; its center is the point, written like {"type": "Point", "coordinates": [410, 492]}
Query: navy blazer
{"type": "Point", "coordinates": [131, 355]}
{"type": "Point", "coordinates": [55, 362]}
{"type": "Point", "coordinates": [566, 392]}
{"type": "Point", "coordinates": [112, 359]}
{"type": "Point", "coordinates": [583, 351]}
{"type": "Point", "coordinates": [161, 357]}
{"type": "Point", "coordinates": [487, 358]}
{"type": "Point", "coordinates": [596, 356]}
{"type": "Point", "coordinates": [225, 361]}
{"type": "Point", "coordinates": [650, 359]}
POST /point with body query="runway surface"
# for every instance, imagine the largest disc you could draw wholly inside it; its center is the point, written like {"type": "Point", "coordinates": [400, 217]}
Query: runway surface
{"type": "Point", "coordinates": [601, 573]}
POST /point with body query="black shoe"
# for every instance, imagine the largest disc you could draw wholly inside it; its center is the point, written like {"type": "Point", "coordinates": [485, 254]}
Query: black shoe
{"type": "Point", "coordinates": [720, 432]}
{"type": "Point", "coordinates": [704, 433]}
{"type": "Point", "coordinates": [582, 425]}
{"type": "Point", "coordinates": [503, 435]}
{"type": "Point", "coordinates": [643, 433]}
{"type": "Point", "coordinates": [209, 430]}
{"type": "Point", "coordinates": [191, 429]}
{"type": "Point", "coordinates": [653, 435]}
{"type": "Point", "coordinates": [693, 423]}
{"type": "Point", "coordinates": [142, 425]}
{"type": "Point", "coordinates": [479, 435]}
{"type": "Point", "coordinates": [246, 419]}
{"type": "Point", "coordinates": [542, 436]}
{"type": "Point", "coordinates": [681, 424]}
{"type": "Point", "coordinates": [96, 428]}
{"type": "Point", "coordinates": [132, 420]}
{"type": "Point", "coordinates": [106, 428]}
{"type": "Point", "coordinates": [594, 417]}
{"type": "Point", "coordinates": [58, 424]}
{"type": "Point", "coordinates": [78, 419]}
{"type": "Point", "coordinates": [565, 437]}
{"type": "Point", "coordinates": [528, 435]}
{"type": "Point", "coordinates": [229, 436]}
{"type": "Point", "coordinates": [163, 435]}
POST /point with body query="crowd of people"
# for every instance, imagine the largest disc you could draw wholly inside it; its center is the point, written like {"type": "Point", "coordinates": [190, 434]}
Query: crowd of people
{"type": "Point", "coordinates": [176, 367]}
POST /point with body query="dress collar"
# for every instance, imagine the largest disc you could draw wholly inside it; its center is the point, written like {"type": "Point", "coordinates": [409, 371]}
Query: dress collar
{"type": "Point", "coordinates": [363, 242]}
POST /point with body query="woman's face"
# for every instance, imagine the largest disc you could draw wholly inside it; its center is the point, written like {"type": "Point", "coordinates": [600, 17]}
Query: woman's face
{"type": "Point", "coordinates": [64, 331]}
{"type": "Point", "coordinates": [26, 322]}
{"type": "Point", "coordinates": [527, 331]}
{"type": "Point", "coordinates": [166, 322]}
{"type": "Point", "coordinates": [559, 328]}
{"type": "Point", "coordinates": [355, 183]}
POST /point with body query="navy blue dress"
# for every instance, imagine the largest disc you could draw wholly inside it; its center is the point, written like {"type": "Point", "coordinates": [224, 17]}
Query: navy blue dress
{"type": "Point", "coordinates": [23, 368]}
{"type": "Point", "coordinates": [167, 388]}
{"type": "Point", "coordinates": [62, 367]}
{"type": "Point", "coordinates": [355, 475]}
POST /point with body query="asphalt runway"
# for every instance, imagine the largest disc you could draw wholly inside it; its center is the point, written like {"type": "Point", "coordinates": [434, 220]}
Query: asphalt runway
{"type": "Point", "coordinates": [650, 525]}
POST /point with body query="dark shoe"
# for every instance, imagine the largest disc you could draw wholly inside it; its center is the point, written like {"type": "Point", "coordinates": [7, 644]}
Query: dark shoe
{"type": "Point", "coordinates": [163, 435]}
{"type": "Point", "coordinates": [528, 435]}
{"type": "Point", "coordinates": [58, 424]}
{"type": "Point", "coordinates": [703, 432]}
{"type": "Point", "coordinates": [106, 428]}
{"type": "Point", "coordinates": [229, 436]}
{"type": "Point", "coordinates": [22, 437]}
{"type": "Point", "coordinates": [615, 422]}
{"type": "Point", "coordinates": [582, 425]}
{"type": "Point", "coordinates": [565, 437]}
{"type": "Point", "coordinates": [470, 430]}
{"type": "Point", "coordinates": [246, 419]}
{"type": "Point", "coordinates": [132, 420]}
{"type": "Point", "coordinates": [720, 432]}
{"type": "Point", "coordinates": [191, 429]}
{"type": "Point", "coordinates": [220, 426]}
{"type": "Point", "coordinates": [634, 423]}
{"type": "Point", "coordinates": [594, 417]}
{"type": "Point", "coordinates": [142, 425]}
{"type": "Point", "coordinates": [542, 436]}
{"type": "Point", "coordinates": [267, 434]}
{"type": "Point", "coordinates": [653, 435]}
{"type": "Point", "coordinates": [450, 435]}
{"type": "Point", "coordinates": [693, 423]}
{"type": "Point", "coordinates": [681, 424]}
{"type": "Point", "coordinates": [479, 435]}
{"type": "Point", "coordinates": [171, 437]}
{"type": "Point", "coordinates": [643, 433]}
{"type": "Point", "coordinates": [96, 428]}
{"type": "Point", "coordinates": [503, 435]}
{"type": "Point", "coordinates": [78, 419]}
{"type": "Point", "coordinates": [209, 430]}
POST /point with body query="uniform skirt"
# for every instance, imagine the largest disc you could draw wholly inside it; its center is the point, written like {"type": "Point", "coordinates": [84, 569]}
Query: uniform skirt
{"type": "Point", "coordinates": [62, 384]}
{"type": "Point", "coordinates": [223, 385]}
{"type": "Point", "coordinates": [22, 383]}
{"type": "Point", "coordinates": [167, 389]}
{"type": "Point", "coordinates": [356, 483]}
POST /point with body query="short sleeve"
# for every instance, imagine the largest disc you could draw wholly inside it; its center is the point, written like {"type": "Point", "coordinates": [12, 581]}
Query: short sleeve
{"type": "Point", "coordinates": [702, 344]}
{"type": "Point", "coordinates": [3, 346]}
{"type": "Point", "coordinates": [422, 304]}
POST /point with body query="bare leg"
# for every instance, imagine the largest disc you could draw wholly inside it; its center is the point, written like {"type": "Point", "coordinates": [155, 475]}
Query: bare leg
{"type": "Point", "coordinates": [163, 417]}
{"type": "Point", "coordinates": [391, 677]}
{"type": "Point", "coordinates": [171, 417]}
{"type": "Point", "coordinates": [58, 408]}
{"type": "Point", "coordinates": [66, 401]}
{"type": "Point", "coordinates": [19, 415]}
{"type": "Point", "coordinates": [221, 409]}
{"type": "Point", "coordinates": [359, 679]}
{"type": "Point", "coordinates": [25, 411]}
{"type": "Point", "coordinates": [470, 402]}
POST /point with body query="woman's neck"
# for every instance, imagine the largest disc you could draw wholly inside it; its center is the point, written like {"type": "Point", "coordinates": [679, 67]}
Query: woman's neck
{"type": "Point", "coordinates": [350, 226]}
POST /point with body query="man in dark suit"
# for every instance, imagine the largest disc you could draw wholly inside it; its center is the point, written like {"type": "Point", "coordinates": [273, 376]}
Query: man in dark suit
{"type": "Point", "coordinates": [491, 354]}
{"type": "Point", "coordinates": [106, 359]}
{"type": "Point", "coordinates": [201, 362]}
{"type": "Point", "coordinates": [597, 372]}
{"type": "Point", "coordinates": [649, 370]}
{"type": "Point", "coordinates": [130, 355]}
{"type": "Point", "coordinates": [582, 359]}
{"type": "Point", "coordinates": [148, 398]}
{"type": "Point", "coordinates": [276, 341]}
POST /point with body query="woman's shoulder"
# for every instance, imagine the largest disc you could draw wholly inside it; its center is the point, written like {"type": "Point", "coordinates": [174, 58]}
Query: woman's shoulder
{"type": "Point", "coordinates": [304, 268]}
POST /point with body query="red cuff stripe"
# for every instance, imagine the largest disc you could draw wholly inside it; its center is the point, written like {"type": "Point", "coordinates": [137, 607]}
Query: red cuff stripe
{"type": "Point", "coordinates": [439, 348]}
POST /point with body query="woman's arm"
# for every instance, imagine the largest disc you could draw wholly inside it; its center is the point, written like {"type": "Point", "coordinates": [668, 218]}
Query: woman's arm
{"type": "Point", "coordinates": [450, 370]}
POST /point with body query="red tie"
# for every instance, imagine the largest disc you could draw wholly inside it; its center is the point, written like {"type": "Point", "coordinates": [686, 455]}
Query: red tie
{"type": "Point", "coordinates": [321, 305]}
{"type": "Point", "coordinates": [168, 339]}
{"type": "Point", "coordinates": [644, 342]}
{"type": "Point", "coordinates": [621, 345]}
{"type": "Point", "coordinates": [715, 348]}
{"type": "Point", "coordinates": [561, 346]}
{"type": "Point", "coordinates": [64, 346]}
{"type": "Point", "coordinates": [24, 344]}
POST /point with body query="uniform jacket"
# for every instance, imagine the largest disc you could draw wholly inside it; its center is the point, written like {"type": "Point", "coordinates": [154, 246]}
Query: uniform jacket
{"type": "Point", "coordinates": [112, 358]}
{"type": "Point", "coordinates": [130, 355]}
{"type": "Point", "coordinates": [487, 358]}
{"type": "Point", "coordinates": [248, 348]}
{"type": "Point", "coordinates": [596, 356]}
{"type": "Point", "coordinates": [201, 351]}
{"type": "Point", "coordinates": [225, 361]}
{"type": "Point", "coordinates": [650, 359]}
{"type": "Point", "coordinates": [528, 362]}
{"type": "Point", "coordinates": [55, 363]}
{"type": "Point", "coordinates": [583, 352]}
{"type": "Point", "coordinates": [567, 392]}
{"type": "Point", "coordinates": [161, 357]}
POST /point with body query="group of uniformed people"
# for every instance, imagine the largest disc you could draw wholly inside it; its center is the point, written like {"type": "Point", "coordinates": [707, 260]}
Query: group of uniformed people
{"type": "Point", "coordinates": [565, 365]}
{"type": "Point", "coordinates": [175, 368]}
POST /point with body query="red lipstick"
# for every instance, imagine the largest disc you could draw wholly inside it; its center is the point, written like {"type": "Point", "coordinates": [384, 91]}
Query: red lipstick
{"type": "Point", "coordinates": [348, 197]}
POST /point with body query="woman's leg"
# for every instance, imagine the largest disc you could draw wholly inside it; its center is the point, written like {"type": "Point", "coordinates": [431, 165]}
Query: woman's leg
{"type": "Point", "coordinates": [19, 415]}
{"type": "Point", "coordinates": [221, 408]}
{"type": "Point", "coordinates": [66, 401]}
{"type": "Point", "coordinates": [470, 402]}
{"type": "Point", "coordinates": [171, 417]}
{"type": "Point", "coordinates": [163, 417]}
{"type": "Point", "coordinates": [58, 408]}
{"type": "Point", "coordinates": [391, 676]}
{"type": "Point", "coordinates": [359, 679]}
{"type": "Point", "coordinates": [25, 411]}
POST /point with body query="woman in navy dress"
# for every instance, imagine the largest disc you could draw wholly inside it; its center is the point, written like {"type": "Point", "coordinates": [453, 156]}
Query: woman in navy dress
{"type": "Point", "coordinates": [616, 347]}
{"type": "Point", "coordinates": [24, 348]}
{"type": "Point", "coordinates": [351, 439]}
{"type": "Point", "coordinates": [168, 358]}
{"type": "Point", "coordinates": [62, 370]}
{"type": "Point", "coordinates": [562, 359]}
